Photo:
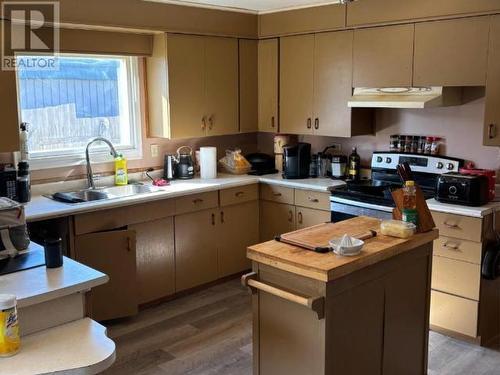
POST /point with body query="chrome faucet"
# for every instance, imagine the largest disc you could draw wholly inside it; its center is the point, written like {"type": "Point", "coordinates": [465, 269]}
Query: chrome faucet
{"type": "Point", "coordinates": [90, 174]}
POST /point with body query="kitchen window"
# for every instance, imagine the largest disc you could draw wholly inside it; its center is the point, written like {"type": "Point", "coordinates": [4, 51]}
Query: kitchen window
{"type": "Point", "coordinates": [86, 96]}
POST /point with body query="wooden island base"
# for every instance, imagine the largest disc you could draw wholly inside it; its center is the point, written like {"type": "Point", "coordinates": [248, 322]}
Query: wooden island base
{"type": "Point", "coordinates": [371, 321]}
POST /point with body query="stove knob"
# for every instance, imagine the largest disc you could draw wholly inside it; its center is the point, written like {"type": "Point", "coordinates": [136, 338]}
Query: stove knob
{"type": "Point", "coordinates": [450, 166]}
{"type": "Point", "coordinates": [453, 190]}
{"type": "Point", "coordinates": [439, 165]}
{"type": "Point", "coordinates": [388, 160]}
{"type": "Point", "coordinates": [380, 159]}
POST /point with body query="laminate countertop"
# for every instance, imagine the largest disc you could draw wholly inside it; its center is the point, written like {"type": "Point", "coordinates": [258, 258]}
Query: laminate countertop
{"type": "Point", "coordinates": [43, 208]}
{"type": "Point", "coordinates": [329, 266]}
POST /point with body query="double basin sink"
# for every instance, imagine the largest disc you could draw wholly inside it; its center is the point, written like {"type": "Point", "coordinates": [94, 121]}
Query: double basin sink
{"type": "Point", "coordinates": [112, 192]}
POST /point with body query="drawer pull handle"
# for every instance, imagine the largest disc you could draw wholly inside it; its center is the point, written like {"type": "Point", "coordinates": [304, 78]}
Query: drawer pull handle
{"type": "Point", "coordinates": [451, 226]}
{"type": "Point", "coordinates": [492, 131]}
{"type": "Point", "coordinates": [316, 304]}
{"type": "Point", "coordinates": [203, 122]}
{"type": "Point", "coordinates": [197, 200]}
{"type": "Point", "coordinates": [222, 217]}
{"type": "Point", "coordinates": [300, 217]}
{"type": "Point", "coordinates": [313, 200]}
{"type": "Point", "coordinates": [213, 219]}
{"type": "Point", "coordinates": [290, 216]}
{"type": "Point", "coordinates": [239, 194]}
{"type": "Point", "coordinates": [277, 194]}
{"type": "Point", "coordinates": [451, 246]}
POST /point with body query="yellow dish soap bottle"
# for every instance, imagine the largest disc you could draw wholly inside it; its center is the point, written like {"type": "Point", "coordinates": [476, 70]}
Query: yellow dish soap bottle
{"type": "Point", "coordinates": [121, 174]}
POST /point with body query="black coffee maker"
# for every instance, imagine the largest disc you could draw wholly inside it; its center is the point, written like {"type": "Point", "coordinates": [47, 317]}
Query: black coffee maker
{"type": "Point", "coordinates": [296, 160]}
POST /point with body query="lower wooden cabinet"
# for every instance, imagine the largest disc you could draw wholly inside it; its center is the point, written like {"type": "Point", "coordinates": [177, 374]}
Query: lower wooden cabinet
{"type": "Point", "coordinates": [307, 217]}
{"type": "Point", "coordinates": [155, 259]}
{"type": "Point", "coordinates": [275, 219]}
{"type": "Point", "coordinates": [113, 253]}
{"type": "Point", "coordinates": [239, 228]}
{"type": "Point", "coordinates": [195, 249]}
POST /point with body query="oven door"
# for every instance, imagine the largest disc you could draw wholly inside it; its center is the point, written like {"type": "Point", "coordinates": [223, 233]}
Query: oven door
{"type": "Point", "coordinates": [343, 209]}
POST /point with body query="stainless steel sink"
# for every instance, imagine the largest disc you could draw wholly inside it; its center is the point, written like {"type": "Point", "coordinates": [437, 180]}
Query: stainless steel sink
{"type": "Point", "coordinates": [113, 192]}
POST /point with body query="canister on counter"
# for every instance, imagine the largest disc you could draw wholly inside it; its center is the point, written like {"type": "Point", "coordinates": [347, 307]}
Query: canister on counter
{"type": "Point", "coordinates": [10, 340]}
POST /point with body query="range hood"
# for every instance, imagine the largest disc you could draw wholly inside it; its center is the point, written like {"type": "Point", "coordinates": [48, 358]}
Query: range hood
{"type": "Point", "coordinates": [405, 97]}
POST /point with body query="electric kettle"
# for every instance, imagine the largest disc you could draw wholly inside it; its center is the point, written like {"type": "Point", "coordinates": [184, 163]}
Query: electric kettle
{"type": "Point", "coordinates": [185, 164]}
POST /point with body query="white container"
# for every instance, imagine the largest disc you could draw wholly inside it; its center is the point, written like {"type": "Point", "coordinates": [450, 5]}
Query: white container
{"type": "Point", "coordinates": [208, 162]}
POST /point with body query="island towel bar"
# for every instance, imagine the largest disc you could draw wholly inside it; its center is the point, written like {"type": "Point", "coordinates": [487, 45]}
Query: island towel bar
{"type": "Point", "coordinates": [317, 304]}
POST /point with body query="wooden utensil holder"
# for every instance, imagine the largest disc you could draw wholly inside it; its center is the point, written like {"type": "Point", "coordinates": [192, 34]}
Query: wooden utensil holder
{"type": "Point", "coordinates": [425, 220]}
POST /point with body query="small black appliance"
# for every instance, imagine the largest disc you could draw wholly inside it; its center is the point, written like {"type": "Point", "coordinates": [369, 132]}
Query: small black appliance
{"type": "Point", "coordinates": [261, 164]}
{"type": "Point", "coordinates": [185, 163]}
{"type": "Point", "coordinates": [467, 190]}
{"type": "Point", "coordinates": [169, 167]}
{"type": "Point", "coordinates": [296, 160]}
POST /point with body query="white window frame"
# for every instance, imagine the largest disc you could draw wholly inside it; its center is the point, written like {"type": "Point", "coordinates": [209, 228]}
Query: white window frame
{"type": "Point", "coordinates": [99, 154]}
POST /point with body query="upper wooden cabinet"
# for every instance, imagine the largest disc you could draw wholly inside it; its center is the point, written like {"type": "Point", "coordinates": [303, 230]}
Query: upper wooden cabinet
{"type": "Point", "coordinates": [383, 56]}
{"type": "Point", "coordinates": [248, 55]}
{"type": "Point", "coordinates": [9, 141]}
{"type": "Point", "coordinates": [316, 84]}
{"type": "Point", "coordinates": [192, 86]}
{"type": "Point", "coordinates": [451, 53]}
{"type": "Point", "coordinates": [268, 85]}
{"type": "Point", "coordinates": [305, 20]}
{"type": "Point", "coordinates": [492, 107]}
{"type": "Point", "coordinates": [382, 11]}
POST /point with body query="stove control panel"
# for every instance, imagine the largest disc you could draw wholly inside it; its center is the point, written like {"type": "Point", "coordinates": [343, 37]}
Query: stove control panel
{"type": "Point", "coordinates": [418, 162]}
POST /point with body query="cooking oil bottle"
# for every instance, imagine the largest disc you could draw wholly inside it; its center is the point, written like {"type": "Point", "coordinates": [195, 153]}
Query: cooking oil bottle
{"type": "Point", "coordinates": [410, 214]}
{"type": "Point", "coordinates": [121, 174]}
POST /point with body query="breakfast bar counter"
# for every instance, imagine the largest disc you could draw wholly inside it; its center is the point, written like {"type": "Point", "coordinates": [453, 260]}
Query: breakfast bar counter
{"type": "Point", "coordinates": [326, 314]}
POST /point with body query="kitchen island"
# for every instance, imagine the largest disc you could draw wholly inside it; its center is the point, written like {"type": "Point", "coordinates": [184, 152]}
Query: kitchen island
{"type": "Point", "coordinates": [324, 314]}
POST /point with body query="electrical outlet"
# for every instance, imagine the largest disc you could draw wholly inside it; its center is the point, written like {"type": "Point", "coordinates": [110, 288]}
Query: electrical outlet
{"type": "Point", "coordinates": [155, 151]}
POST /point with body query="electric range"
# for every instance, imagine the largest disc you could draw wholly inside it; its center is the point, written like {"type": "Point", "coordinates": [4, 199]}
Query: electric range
{"type": "Point", "coordinates": [373, 197]}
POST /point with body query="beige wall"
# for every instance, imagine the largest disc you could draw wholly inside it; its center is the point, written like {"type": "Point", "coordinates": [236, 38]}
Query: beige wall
{"type": "Point", "coordinates": [462, 128]}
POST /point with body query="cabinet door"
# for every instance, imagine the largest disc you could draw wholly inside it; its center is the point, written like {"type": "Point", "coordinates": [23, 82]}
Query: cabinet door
{"type": "Point", "coordinates": [307, 217]}
{"type": "Point", "coordinates": [296, 84]}
{"type": "Point", "coordinates": [9, 141]}
{"type": "Point", "coordinates": [248, 88]}
{"type": "Point", "coordinates": [383, 56]}
{"type": "Point", "coordinates": [268, 85]}
{"type": "Point", "coordinates": [114, 254]}
{"type": "Point", "coordinates": [221, 63]}
{"type": "Point", "coordinates": [239, 228]}
{"type": "Point", "coordinates": [186, 82]}
{"type": "Point", "coordinates": [155, 259]}
{"type": "Point", "coordinates": [492, 109]}
{"type": "Point", "coordinates": [195, 249]}
{"type": "Point", "coordinates": [332, 83]}
{"type": "Point", "coordinates": [451, 53]}
{"type": "Point", "coordinates": [275, 219]}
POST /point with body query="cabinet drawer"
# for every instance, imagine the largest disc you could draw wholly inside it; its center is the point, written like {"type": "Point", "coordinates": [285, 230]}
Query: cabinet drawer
{"type": "Point", "coordinates": [312, 199]}
{"type": "Point", "coordinates": [275, 193]}
{"type": "Point", "coordinates": [196, 202]}
{"type": "Point", "coordinates": [455, 248]}
{"type": "Point", "coordinates": [239, 195]}
{"type": "Point", "coordinates": [456, 277]}
{"type": "Point", "coordinates": [122, 216]}
{"type": "Point", "coordinates": [454, 313]}
{"type": "Point", "coordinates": [307, 217]}
{"type": "Point", "coordinates": [463, 227]}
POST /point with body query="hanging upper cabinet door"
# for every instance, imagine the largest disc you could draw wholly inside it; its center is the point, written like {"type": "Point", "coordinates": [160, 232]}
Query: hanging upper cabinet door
{"type": "Point", "coordinates": [221, 61]}
{"type": "Point", "coordinates": [186, 84]}
{"type": "Point", "coordinates": [492, 107]}
{"type": "Point", "coordinates": [383, 56]}
{"type": "Point", "coordinates": [248, 89]}
{"type": "Point", "coordinates": [332, 83]}
{"type": "Point", "coordinates": [296, 84]}
{"type": "Point", "coordinates": [268, 85]}
{"type": "Point", "coordinates": [451, 53]}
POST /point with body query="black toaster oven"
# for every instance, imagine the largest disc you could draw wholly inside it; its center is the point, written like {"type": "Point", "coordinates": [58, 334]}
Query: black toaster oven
{"type": "Point", "coordinates": [467, 190]}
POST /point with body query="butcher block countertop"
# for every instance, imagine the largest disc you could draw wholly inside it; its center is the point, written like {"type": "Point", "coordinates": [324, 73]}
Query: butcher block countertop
{"type": "Point", "coordinates": [328, 267]}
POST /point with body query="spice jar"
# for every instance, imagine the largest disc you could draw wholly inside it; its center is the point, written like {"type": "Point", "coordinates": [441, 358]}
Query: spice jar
{"type": "Point", "coordinates": [436, 142]}
{"type": "Point", "coordinates": [10, 340]}
{"type": "Point", "coordinates": [394, 143]}
{"type": "Point", "coordinates": [408, 143]}
{"type": "Point", "coordinates": [428, 145]}
{"type": "Point", "coordinates": [421, 145]}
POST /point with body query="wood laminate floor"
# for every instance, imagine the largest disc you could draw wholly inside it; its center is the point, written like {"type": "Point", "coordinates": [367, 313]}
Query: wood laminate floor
{"type": "Point", "coordinates": [210, 333]}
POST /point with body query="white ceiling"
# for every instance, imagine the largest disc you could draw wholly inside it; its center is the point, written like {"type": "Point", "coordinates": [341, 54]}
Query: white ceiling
{"type": "Point", "coordinates": [250, 6]}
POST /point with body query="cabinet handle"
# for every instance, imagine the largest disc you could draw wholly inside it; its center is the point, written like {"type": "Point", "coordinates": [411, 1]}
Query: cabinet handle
{"type": "Point", "coordinates": [203, 122]}
{"type": "Point", "coordinates": [129, 244]}
{"type": "Point", "coordinates": [451, 226]}
{"type": "Point", "coordinates": [316, 123]}
{"type": "Point", "coordinates": [277, 194]}
{"type": "Point", "coordinates": [213, 219]}
{"type": "Point", "coordinates": [290, 216]}
{"type": "Point", "coordinates": [222, 217]}
{"type": "Point", "coordinates": [451, 246]}
{"type": "Point", "coordinates": [239, 194]}
{"type": "Point", "coordinates": [197, 200]}
{"type": "Point", "coordinates": [210, 122]}
{"type": "Point", "coordinates": [316, 304]}
{"type": "Point", "coordinates": [313, 200]}
{"type": "Point", "coordinates": [272, 122]}
{"type": "Point", "coordinates": [492, 133]}
{"type": "Point", "coordinates": [309, 126]}
{"type": "Point", "coordinates": [299, 216]}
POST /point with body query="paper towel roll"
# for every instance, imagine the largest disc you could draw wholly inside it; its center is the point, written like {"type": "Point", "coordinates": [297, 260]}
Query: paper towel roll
{"type": "Point", "coordinates": [208, 162]}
